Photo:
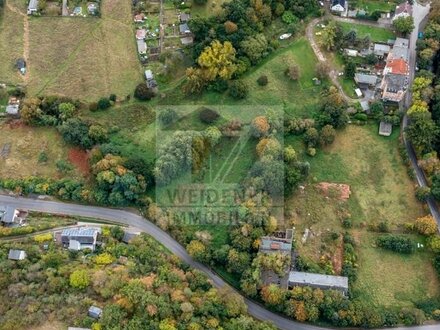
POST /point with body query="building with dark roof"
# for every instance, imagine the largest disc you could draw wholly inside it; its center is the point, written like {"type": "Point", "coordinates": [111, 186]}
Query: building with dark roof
{"type": "Point", "coordinates": [338, 6]}
{"type": "Point", "coordinates": [319, 281]}
{"type": "Point", "coordinates": [365, 80]}
{"type": "Point", "coordinates": [9, 216]}
{"type": "Point", "coordinates": [80, 238]}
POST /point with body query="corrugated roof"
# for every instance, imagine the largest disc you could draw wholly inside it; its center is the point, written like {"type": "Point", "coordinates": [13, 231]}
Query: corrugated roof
{"type": "Point", "coordinates": [313, 279]}
{"type": "Point", "coordinates": [81, 231]}
{"type": "Point", "coordinates": [16, 254]}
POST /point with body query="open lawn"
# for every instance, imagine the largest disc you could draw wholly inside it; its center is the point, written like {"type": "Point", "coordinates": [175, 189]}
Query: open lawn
{"type": "Point", "coordinates": [25, 146]}
{"type": "Point", "coordinates": [84, 58]}
{"type": "Point", "coordinates": [376, 34]}
{"type": "Point", "coordinates": [11, 42]}
{"type": "Point", "coordinates": [299, 97]}
{"type": "Point", "coordinates": [381, 191]}
{"type": "Point", "coordinates": [370, 6]}
{"type": "Point", "coordinates": [211, 8]}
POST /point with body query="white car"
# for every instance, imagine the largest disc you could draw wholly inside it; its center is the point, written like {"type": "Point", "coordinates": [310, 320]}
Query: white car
{"type": "Point", "coordinates": [321, 3]}
{"type": "Point", "coordinates": [285, 36]}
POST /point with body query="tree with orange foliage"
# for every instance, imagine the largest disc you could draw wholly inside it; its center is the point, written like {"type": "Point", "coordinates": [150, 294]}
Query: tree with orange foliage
{"type": "Point", "coordinates": [260, 126]}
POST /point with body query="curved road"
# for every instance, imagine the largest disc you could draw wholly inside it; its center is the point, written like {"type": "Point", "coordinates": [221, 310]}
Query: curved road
{"type": "Point", "coordinates": [134, 220]}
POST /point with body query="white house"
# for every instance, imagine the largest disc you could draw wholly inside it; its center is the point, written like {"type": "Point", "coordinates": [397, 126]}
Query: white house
{"type": "Point", "coordinates": [338, 6]}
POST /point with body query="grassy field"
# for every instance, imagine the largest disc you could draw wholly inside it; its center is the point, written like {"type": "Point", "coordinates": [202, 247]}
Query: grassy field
{"type": "Point", "coordinates": [381, 190]}
{"type": "Point", "coordinates": [11, 42]}
{"type": "Point", "coordinates": [279, 91]}
{"type": "Point", "coordinates": [211, 8]}
{"type": "Point", "coordinates": [25, 147]}
{"type": "Point", "coordinates": [370, 6]}
{"type": "Point", "coordinates": [375, 33]}
{"type": "Point", "coordinates": [84, 58]}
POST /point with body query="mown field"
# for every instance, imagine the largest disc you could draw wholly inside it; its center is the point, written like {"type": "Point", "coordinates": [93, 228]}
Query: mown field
{"type": "Point", "coordinates": [376, 34]}
{"type": "Point", "coordinates": [85, 58]}
{"type": "Point", "coordinates": [11, 42]}
{"type": "Point", "coordinates": [370, 6]}
{"type": "Point", "coordinates": [381, 191]}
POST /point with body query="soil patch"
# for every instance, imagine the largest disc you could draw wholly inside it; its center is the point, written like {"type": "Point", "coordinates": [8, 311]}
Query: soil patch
{"type": "Point", "coordinates": [80, 159]}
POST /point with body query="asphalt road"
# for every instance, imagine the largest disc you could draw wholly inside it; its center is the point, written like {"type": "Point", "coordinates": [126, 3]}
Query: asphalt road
{"type": "Point", "coordinates": [134, 220]}
{"type": "Point", "coordinates": [419, 13]}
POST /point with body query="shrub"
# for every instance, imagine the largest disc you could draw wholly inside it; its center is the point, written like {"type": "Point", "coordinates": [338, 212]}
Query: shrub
{"type": "Point", "coordinates": [426, 226]}
{"type": "Point", "coordinates": [361, 117]}
{"type": "Point", "coordinates": [79, 279]}
{"type": "Point", "coordinates": [238, 89]}
{"type": "Point", "coordinates": [104, 103]}
{"type": "Point", "coordinates": [43, 238]}
{"type": "Point", "coordinates": [93, 106]}
{"type": "Point", "coordinates": [292, 72]}
{"type": "Point", "coordinates": [63, 166]}
{"type": "Point", "coordinates": [396, 243]}
{"type": "Point", "coordinates": [104, 259]}
{"type": "Point", "coordinates": [311, 152]}
{"type": "Point", "coordinates": [260, 126]}
{"type": "Point", "coordinates": [208, 116]}
{"type": "Point", "coordinates": [347, 223]}
{"type": "Point", "coordinates": [262, 80]}
{"type": "Point", "coordinates": [143, 93]}
{"type": "Point", "coordinates": [167, 117]}
{"type": "Point", "coordinates": [311, 137]}
{"type": "Point", "coordinates": [42, 157]}
{"type": "Point", "coordinates": [112, 97]}
{"type": "Point", "coordinates": [423, 193]}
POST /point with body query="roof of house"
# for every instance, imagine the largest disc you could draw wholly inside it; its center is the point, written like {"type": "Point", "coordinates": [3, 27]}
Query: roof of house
{"type": "Point", "coordinates": [81, 232]}
{"type": "Point", "coordinates": [397, 66]}
{"type": "Point", "coordinates": [365, 105]}
{"type": "Point", "coordinates": [396, 82]}
{"type": "Point", "coordinates": [184, 28]}
{"type": "Point", "coordinates": [142, 46]}
{"type": "Point", "coordinates": [184, 17]}
{"type": "Point", "coordinates": [95, 311]}
{"type": "Point", "coordinates": [16, 254]}
{"type": "Point", "coordinates": [381, 49]}
{"type": "Point", "coordinates": [21, 63]}
{"type": "Point", "coordinates": [385, 129]}
{"type": "Point", "coordinates": [7, 214]}
{"type": "Point", "coordinates": [141, 33]}
{"type": "Point", "coordinates": [312, 279]}
{"type": "Point", "coordinates": [139, 17]}
{"type": "Point", "coordinates": [362, 78]}
{"type": "Point", "coordinates": [33, 5]}
{"type": "Point", "coordinates": [351, 52]}
{"type": "Point", "coordinates": [404, 8]}
{"type": "Point", "coordinates": [12, 109]}
{"type": "Point", "coordinates": [338, 2]}
{"type": "Point", "coordinates": [149, 74]}
{"type": "Point", "coordinates": [187, 41]}
{"type": "Point", "coordinates": [128, 236]}
{"type": "Point", "coordinates": [279, 241]}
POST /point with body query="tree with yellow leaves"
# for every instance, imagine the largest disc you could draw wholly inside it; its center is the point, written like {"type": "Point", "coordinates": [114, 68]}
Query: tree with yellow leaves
{"type": "Point", "coordinates": [217, 61]}
{"type": "Point", "coordinates": [426, 226]}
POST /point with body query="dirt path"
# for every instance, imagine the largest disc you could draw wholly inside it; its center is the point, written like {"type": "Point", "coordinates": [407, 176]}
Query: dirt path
{"type": "Point", "coordinates": [333, 74]}
{"type": "Point", "coordinates": [26, 43]}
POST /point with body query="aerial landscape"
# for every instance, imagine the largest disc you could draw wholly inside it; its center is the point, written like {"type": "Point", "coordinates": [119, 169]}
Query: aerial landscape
{"type": "Point", "coordinates": [219, 164]}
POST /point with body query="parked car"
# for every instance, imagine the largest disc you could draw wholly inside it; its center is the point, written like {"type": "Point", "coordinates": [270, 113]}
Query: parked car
{"type": "Point", "coordinates": [285, 36]}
